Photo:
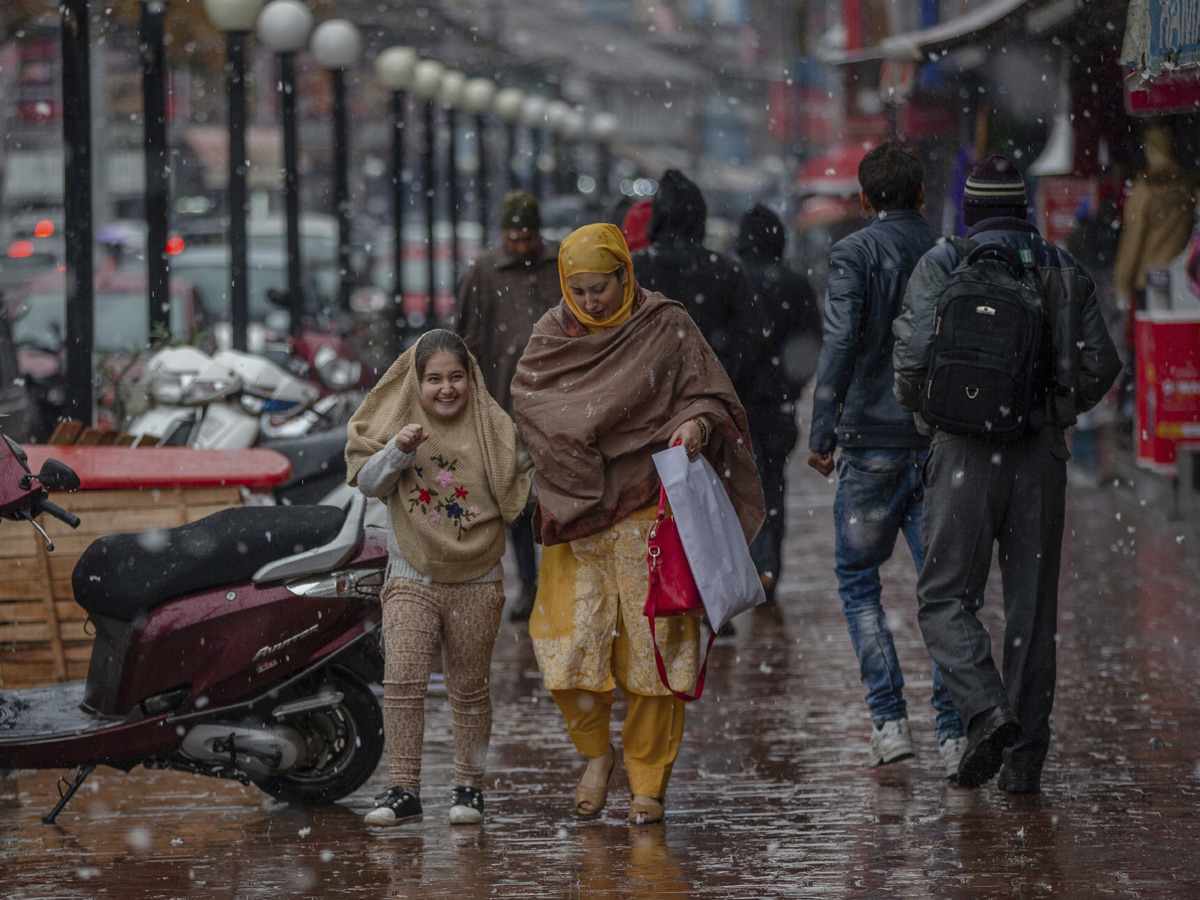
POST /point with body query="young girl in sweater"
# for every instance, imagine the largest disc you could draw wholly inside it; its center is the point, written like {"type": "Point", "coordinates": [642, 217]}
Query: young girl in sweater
{"type": "Point", "coordinates": [431, 441]}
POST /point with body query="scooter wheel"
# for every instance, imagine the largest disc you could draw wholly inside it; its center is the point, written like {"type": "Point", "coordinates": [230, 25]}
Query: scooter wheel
{"type": "Point", "coordinates": [344, 742]}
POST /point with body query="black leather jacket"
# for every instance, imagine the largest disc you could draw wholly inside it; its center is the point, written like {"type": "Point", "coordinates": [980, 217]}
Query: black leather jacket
{"type": "Point", "coordinates": [1086, 362]}
{"type": "Point", "coordinates": [868, 272]}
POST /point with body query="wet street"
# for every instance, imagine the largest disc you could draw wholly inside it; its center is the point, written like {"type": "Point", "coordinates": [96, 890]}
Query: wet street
{"type": "Point", "coordinates": [771, 797]}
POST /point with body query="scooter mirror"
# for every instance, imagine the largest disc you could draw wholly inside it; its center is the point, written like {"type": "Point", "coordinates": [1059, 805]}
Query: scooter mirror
{"type": "Point", "coordinates": [56, 476]}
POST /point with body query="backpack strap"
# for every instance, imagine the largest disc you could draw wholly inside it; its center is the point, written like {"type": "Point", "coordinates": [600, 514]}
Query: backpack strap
{"type": "Point", "coordinates": [964, 246]}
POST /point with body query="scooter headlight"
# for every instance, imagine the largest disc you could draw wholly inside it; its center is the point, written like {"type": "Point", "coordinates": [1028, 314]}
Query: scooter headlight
{"type": "Point", "coordinates": [200, 392]}
{"type": "Point", "coordinates": [336, 372]}
{"type": "Point", "coordinates": [166, 388]}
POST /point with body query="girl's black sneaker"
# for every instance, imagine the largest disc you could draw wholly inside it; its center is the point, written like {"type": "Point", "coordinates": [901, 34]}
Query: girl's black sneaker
{"type": "Point", "coordinates": [393, 806]}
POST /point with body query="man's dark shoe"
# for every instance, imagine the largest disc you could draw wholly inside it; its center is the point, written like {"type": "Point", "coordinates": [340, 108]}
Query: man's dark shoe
{"type": "Point", "coordinates": [523, 608]}
{"type": "Point", "coordinates": [987, 736]}
{"type": "Point", "coordinates": [1019, 782]}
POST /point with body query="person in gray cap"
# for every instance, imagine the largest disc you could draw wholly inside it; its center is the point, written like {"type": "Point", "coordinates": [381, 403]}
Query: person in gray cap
{"type": "Point", "coordinates": [503, 293]}
{"type": "Point", "coordinates": [980, 493]}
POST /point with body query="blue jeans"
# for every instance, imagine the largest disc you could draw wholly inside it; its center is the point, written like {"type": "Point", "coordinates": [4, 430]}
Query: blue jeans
{"type": "Point", "coordinates": [879, 496]}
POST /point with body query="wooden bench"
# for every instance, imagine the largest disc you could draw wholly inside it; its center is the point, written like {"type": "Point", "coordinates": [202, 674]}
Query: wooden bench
{"type": "Point", "coordinates": [43, 637]}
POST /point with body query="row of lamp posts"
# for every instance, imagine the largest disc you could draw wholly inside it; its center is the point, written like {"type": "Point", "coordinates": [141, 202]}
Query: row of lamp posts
{"type": "Point", "coordinates": [402, 71]}
{"type": "Point", "coordinates": [286, 27]}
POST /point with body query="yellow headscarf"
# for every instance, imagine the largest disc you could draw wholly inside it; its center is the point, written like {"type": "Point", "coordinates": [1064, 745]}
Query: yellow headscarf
{"type": "Point", "coordinates": [596, 248]}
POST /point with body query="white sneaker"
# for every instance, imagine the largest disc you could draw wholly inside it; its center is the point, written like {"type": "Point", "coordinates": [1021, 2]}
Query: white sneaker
{"type": "Point", "coordinates": [952, 750]}
{"type": "Point", "coordinates": [891, 743]}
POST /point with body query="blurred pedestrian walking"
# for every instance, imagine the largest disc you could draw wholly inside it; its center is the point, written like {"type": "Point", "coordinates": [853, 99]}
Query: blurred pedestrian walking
{"type": "Point", "coordinates": [710, 286]}
{"type": "Point", "coordinates": [980, 493]}
{"type": "Point", "coordinates": [787, 341]}
{"type": "Point", "coordinates": [504, 292]}
{"type": "Point", "coordinates": [611, 376]}
{"type": "Point", "coordinates": [430, 441]}
{"type": "Point", "coordinates": [879, 493]}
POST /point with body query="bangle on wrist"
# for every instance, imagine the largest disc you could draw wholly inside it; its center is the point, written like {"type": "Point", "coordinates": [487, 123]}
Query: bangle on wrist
{"type": "Point", "coordinates": [703, 431]}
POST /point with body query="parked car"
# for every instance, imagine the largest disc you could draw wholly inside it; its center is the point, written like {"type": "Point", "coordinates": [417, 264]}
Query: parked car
{"type": "Point", "coordinates": [38, 316]}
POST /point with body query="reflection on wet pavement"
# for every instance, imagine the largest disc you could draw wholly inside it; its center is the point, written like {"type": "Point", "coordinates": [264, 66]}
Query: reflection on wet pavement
{"type": "Point", "coordinates": [771, 796]}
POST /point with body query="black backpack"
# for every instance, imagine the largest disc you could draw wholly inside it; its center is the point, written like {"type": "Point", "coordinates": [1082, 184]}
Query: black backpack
{"type": "Point", "coordinates": [984, 373]}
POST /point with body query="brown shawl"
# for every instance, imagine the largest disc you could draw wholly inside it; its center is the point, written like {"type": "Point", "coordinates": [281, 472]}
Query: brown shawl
{"type": "Point", "coordinates": [466, 481]}
{"type": "Point", "coordinates": [592, 408]}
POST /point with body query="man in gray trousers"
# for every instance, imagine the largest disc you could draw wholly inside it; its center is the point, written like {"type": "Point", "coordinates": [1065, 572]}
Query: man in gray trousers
{"type": "Point", "coordinates": [979, 493]}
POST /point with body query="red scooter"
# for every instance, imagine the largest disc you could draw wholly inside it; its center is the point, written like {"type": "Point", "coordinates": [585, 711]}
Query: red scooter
{"type": "Point", "coordinates": [240, 646]}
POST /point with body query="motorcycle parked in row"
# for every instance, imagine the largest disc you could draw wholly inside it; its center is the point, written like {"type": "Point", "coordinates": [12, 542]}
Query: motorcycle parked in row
{"type": "Point", "coordinates": [239, 646]}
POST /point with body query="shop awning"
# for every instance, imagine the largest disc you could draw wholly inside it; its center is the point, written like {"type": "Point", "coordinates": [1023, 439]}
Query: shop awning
{"type": "Point", "coordinates": [986, 18]}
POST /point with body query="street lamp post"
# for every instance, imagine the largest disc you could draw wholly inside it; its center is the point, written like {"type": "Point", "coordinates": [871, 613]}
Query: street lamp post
{"type": "Point", "coordinates": [604, 126]}
{"type": "Point", "coordinates": [556, 119]}
{"type": "Point", "coordinates": [573, 128]}
{"type": "Point", "coordinates": [427, 81]}
{"type": "Point", "coordinates": [450, 96]}
{"type": "Point", "coordinates": [236, 18]}
{"type": "Point", "coordinates": [283, 26]}
{"type": "Point", "coordinates": [154, 124]}
{"type": "Point", "coordinates": [478, 94]}
{"type": "Point", "coordinates": [508, 104]}
{"type": "Point", "coordinates": [336, 45]}
{"type": "Point", "coordinates": [533, 116]}
{"type": "Point", "coordinates": [394, 69]}
{"type": "Point", "coordinates": [77, 208]}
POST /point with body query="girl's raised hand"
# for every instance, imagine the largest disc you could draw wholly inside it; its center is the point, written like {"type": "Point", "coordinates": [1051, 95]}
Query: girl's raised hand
{"type": "Point", "coordinates": [410, 437]}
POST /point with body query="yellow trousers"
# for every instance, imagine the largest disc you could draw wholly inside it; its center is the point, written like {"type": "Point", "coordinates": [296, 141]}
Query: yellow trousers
{"type": "Point", "coordinates": [650, 736]}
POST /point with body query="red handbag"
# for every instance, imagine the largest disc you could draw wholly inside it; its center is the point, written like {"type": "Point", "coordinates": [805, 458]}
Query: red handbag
{"type": "Point", "coordinates": [672, 589]}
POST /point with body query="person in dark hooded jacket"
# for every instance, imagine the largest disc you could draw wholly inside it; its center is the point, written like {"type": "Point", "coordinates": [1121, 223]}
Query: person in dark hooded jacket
{"type": "Point", "coordinates": [786, 345]}
{"type": "Point", "coordinates": [677, 264]}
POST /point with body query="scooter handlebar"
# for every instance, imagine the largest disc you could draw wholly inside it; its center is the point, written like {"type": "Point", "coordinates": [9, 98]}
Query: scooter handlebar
{"type": "Point", "coordinates": [52, 508]}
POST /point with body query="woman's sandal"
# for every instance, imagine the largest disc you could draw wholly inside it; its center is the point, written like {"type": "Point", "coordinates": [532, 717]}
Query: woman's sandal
{"type": "Point", "coordinates": [645, 810]}
{"type": "Point", "coordinates": [591, 789]}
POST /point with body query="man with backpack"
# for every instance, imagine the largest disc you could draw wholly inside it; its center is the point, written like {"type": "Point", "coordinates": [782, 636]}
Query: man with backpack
{"type": "Point", "coordinates": [879, 492]}
{"type": "Point", "coordinates": [1001, 342]}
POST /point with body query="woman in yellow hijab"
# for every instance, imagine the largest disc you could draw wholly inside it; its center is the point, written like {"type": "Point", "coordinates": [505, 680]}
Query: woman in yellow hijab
{"type": "Point", "coordinates": [610, 376]}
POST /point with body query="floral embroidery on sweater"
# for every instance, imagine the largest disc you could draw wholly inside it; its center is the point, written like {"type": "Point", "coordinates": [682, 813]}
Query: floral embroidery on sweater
{"type": "Point", "coordinates": [443, 505]}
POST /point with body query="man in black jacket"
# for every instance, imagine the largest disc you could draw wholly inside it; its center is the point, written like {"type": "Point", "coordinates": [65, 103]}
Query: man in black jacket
{"type": "Point", "coordinates": [711, 287]}
{"type": "Point", "coordinates": [879, 492]}
{"type": "Point", "coordinates": [784, 356]}
{"type": "Point", "coordinates": [980, 493]}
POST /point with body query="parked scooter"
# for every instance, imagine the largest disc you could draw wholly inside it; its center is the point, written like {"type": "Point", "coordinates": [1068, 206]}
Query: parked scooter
{"type": "Point", "coordinates": [228, 402]}
{"type": "Point", "coordinates": [231, 400]}
{"type": "Point", "coordinates": [239, 646]}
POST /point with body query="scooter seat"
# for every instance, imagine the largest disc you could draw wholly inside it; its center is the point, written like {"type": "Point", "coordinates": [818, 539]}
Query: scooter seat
{"type": "Point", "coordinates": [124, 575]}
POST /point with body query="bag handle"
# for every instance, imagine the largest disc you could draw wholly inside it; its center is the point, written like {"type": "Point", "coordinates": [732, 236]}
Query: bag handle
{"type": "Point", "coordinates": [658, 660]}
{"type": "Point", "coordinates": [998, 249]}
{"type": "Point", "coordinates": [662, 668]}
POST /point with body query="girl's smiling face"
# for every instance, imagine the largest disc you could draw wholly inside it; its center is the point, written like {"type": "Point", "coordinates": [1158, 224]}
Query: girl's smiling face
{"type": "Point", "coordinates": [445, 386]}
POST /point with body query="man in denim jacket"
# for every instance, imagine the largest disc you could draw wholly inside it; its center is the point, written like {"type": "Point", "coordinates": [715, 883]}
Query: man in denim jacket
{"type": "Point", "coordinates": [879, 492]}
{"type": "Point", "coordinates": [981, 493]}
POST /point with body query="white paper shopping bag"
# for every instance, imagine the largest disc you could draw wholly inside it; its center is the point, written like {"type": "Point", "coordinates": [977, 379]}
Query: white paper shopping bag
{"type": "Point", "coordinates": [712, 537]}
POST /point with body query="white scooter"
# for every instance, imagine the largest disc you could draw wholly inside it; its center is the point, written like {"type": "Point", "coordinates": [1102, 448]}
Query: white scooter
{"type": "Point", "coordinates": [235, 400]}
{"type": "Point", "coordinates": [216, 402]}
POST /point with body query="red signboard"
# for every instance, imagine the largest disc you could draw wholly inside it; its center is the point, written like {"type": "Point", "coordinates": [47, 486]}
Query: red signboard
{"type": "Point", "coordinates": [1168, 387]}
{"type": "Point", "coordinates": [1171, 92]}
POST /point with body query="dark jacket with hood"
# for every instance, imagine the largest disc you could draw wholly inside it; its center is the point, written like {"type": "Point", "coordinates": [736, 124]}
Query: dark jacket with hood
{"type": "Point", "coordinates": [1086, 362]}
{"type": "Point", "coordinates": [677, 264]}
{"type": "Point", "coordinates": [868, 272]}
{"type": "Point", "coordinates": [787, 339]}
